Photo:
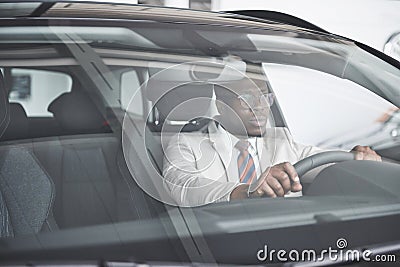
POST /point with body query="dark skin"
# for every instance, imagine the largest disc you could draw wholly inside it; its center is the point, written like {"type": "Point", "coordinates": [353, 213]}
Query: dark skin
{"type": "Point", "coordinates": [254, 118]}
{"type": "Point", "coordinates": [279, 179]}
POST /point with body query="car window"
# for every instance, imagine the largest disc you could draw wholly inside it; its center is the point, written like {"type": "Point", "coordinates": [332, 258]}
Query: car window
{"type": "Point", "coordinates": [136, 139]}
{"type": "Point", "coordinates": [130, 85]}
{"type": "Point", "coordinates": [151, 97]}
{"type": "Point", "coordinates": [36, 89]}
{"type": "Point", "coordinates": [332, 112]}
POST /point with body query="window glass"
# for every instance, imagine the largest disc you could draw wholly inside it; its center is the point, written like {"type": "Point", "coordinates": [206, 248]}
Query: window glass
{"type": "Point", "coordinates": [113, 156]}
{"type": "Point", "coordinates": [36, 89]}
{"type": "Point", "coordinates": [20, 9]}
{"type": "Point", "coordinates": [327, 111]}
{"type": "Point", "coordinates": [131, 91]}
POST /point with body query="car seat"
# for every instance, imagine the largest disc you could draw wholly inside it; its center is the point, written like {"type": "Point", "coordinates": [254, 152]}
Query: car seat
{"type": "Point", "coordinates": [18, 127]}
{"type": "Point", "coordinates": [26, 191]}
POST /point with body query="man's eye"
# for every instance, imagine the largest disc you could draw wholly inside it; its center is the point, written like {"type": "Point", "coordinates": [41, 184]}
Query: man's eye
{"type": "Point", "coordinates": [269, 98]}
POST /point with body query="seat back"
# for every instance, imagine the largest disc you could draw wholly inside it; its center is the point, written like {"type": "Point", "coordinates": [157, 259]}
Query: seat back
{"type": "Point", "coordinates": [91, 183]}
{"type": "Point", "coordinates": [4, 106]}
{"type": "Point", "coordinates": [183, 99]}
{"type": "Point", "coordinates": [83, 119]}
{"type": "Point", "coordinates": [26, 192]}
{"type": "Point", "coordinates": [5, 220]}
{"type": "Point", "coordinates": [19, 126]}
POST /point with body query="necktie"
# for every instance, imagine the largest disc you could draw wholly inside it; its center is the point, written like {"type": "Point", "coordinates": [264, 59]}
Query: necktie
{"type": "Point", "coordinates": [245, 162]}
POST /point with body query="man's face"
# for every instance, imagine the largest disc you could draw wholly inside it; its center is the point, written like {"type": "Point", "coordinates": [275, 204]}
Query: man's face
{"type": "Point", "coordinates": [250, 103]}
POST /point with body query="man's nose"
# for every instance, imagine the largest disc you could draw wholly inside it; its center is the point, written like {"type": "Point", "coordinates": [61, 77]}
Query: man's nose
{"type": "Point", "coordinates": [260, 111]}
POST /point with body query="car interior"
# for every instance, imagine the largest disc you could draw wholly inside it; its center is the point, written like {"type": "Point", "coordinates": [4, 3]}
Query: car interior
{"type": "Point", "coordinates": [78, 150]}
{"type": "Point", "coordinates": [81, 164]}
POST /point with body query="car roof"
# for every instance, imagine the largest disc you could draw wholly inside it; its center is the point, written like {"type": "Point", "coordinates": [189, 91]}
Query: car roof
{"type": "Point", "coordinates": [121, 10]}
{"type": "Point", "coordinates": [279, 17]}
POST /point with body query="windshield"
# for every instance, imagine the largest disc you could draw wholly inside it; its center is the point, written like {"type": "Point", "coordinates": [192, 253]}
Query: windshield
{"type": "Point", "coordinates": [137, 124]}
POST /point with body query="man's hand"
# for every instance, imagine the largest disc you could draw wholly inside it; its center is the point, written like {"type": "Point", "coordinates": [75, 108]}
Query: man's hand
{"type": "Point", "coordinates": [275, 181]}
{"type": "Point", "coordinates": [365, 153]}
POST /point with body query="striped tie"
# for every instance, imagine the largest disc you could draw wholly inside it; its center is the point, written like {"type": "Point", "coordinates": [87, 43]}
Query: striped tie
{"type": "Point", "coordinates": [246, 167]}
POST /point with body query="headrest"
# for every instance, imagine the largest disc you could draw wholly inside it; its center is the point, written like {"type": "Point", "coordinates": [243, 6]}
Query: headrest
{"type": "Point", "coordinates": [186, 102]}
{"type": "Point", "coordinates": [184, 92]}
{"type": "Point", "coordinates": [76, 112]}
{"type": "Point", "coordinates": [18, 126]}
{"type": "Point", "coordinates": [17, 110]}
{"type": "Point", "coordinates": [4, 106]}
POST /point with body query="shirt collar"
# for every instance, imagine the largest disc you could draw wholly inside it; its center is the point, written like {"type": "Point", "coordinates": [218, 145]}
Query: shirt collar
{"type": "Point", "coordinates": [234, 139]}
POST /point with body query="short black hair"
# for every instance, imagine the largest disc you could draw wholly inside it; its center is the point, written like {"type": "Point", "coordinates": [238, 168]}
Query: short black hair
{"type": "Point", "coordinates": [223, 93]}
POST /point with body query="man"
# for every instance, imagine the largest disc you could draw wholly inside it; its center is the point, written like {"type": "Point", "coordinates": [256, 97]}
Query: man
{"type": "Point", "coordinates": [238, 156]}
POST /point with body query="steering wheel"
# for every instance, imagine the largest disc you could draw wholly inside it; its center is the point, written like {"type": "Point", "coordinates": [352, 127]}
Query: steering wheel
{"type": "Point", "coordinates": [320, 159]}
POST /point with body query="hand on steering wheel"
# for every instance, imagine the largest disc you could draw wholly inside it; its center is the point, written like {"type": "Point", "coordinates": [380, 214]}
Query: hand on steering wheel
{"type": "Point", "coordinates": [282, 178]}
{"type": "Point", "coordinates": [279, 179]}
